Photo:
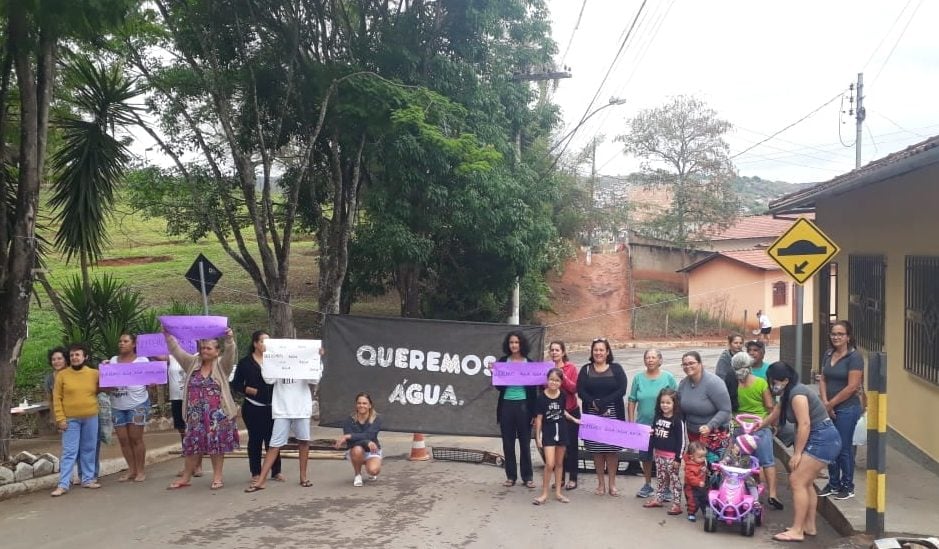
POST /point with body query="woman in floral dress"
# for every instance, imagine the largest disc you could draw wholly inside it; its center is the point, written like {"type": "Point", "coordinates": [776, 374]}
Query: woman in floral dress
{"type": "Point", "coordinates": [208, 406]}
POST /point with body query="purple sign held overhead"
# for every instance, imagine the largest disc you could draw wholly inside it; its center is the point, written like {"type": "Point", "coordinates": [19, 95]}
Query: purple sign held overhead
{"type": "Point", "coordinates": [520, 373]}
{"type": "Point", "coordinates": [120, 374]}
{"type": "Point", "coordinates": [634, 436]}
{"type": "Point", "coordinates": [155, 345]}
{"type": "Point", "coordinates": [195, 327]}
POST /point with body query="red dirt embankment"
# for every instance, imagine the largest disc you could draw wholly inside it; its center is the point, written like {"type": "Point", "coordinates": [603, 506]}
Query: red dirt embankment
{"type": "Point", "coordinates": [590, 301]}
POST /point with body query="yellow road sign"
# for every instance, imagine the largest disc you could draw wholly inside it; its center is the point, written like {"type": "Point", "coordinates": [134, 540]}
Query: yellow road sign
{"type": "Point", "coordinates": [802, 250]}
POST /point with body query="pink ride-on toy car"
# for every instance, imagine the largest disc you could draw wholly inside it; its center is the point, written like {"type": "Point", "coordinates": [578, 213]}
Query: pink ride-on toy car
{"type": "Point", "coordinates": [736, 501]}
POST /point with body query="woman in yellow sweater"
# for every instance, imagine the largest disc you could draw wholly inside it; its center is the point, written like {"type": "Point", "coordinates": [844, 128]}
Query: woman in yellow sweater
{"type": "Point", "coordinates": [75, 401]}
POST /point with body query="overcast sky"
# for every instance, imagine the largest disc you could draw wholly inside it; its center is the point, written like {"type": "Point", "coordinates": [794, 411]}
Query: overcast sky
{"type": "Point", "coordinates": [762, 66]}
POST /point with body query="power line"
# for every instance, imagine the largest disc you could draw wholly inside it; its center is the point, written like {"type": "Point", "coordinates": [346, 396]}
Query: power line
{"type": "Point", "coordinates": [573, 32]}
{"type": "Point", "coordinates": [886, 34]}
{"type": "Point", "coordinates": [820, 107]}
{"type": "Point", "coordinates": [897, 43]}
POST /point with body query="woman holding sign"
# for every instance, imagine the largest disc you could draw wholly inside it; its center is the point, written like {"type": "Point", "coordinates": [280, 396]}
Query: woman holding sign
{"type": "Point", "coordinates": [256, 410]}
{"type": "Point", "coordinates": [601, 387]}
{"type": "Point", "coordinates": [130, 407]}
{"type": "Point", "coordinates": [208, 407]}
{"type": "Point", "coordinates": [515, 413]}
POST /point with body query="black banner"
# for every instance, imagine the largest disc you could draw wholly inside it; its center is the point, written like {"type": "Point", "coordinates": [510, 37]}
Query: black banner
{"type": "Point", "coordinates": [424, 376]}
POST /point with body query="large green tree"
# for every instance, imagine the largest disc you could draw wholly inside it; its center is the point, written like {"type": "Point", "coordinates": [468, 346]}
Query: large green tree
{"type": "Point", "coordinates": [33, 34]}
{"type": "Point", "coordinates": [682, 148]}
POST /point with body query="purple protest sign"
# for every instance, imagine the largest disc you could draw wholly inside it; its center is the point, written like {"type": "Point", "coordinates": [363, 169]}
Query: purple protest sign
{"type": "Point", "coordinates": [520, 373]}
{"type": "Point", "coordinates": [132, 373]}
{"type": "Point", "coordinates": [155, 345]}
{"type": "Point", "coordinates": [195, 327]}
{"type": "Point", "coordinates": [634, 436]}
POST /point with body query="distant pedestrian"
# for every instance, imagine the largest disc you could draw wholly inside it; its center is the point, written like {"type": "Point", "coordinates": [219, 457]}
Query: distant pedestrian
{"type": "Point", "coordinates": [551, 434]}
{"type": "Point", "coordinates": [515, 413]}
{"type": "Point", "coordinates": [360, 436]}
{"type": "Point", "coordinates": [601, 387]}
{"type": "Point", "coordinates": [766, 326]}
{"type": "Point", "coordinates": [208, 407]}
{"type": "Point", "coordinates": [75, 404]}
{"type": "Point", "coordinates": [668, 447]}
{"type": "Point", "coordinates": [558, 354]}
{"type": "Point", "coordinates": [643, 397]}
{"type": "Point", "coordinates": [256, 410]}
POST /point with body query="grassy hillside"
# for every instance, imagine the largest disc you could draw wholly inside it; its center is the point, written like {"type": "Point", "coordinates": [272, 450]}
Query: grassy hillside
{"type": "Point", "coordinates": [755, 193]}
{"type": "Point", "coordinates": [143, 256]}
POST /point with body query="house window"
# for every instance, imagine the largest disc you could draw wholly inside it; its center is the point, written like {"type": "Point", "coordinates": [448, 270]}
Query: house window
{"type": "Point", "coordinates": [779, 294]}
{"type": "Point", "coordinates": [921, 317]}
{"type": "Point", "coordinates": [866, 292]}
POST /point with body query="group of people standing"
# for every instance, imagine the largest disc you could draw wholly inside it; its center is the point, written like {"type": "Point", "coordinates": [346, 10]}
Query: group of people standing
{"type": "Point", "coordinates": [691, 421]}
{"type": "Point", "coordinates": [201, 390]}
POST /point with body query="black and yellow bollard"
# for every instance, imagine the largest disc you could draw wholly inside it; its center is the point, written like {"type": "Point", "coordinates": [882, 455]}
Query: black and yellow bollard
{"type": "Point", "coordinates": [876, 501]}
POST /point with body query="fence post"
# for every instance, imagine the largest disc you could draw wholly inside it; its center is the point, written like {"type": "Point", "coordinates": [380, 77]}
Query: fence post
{"type": "Point", "coordinates": [696, 323]}
{"type": "Point", "coordinates": [876, 500]}
{"type": "Point", "coordinates": [666, 323]}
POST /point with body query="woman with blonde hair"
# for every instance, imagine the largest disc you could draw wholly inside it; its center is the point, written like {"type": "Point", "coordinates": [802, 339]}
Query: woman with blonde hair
{"type": "Point", "coordinates": [360, 436]}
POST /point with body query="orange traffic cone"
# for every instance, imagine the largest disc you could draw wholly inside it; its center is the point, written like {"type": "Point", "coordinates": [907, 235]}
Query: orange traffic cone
{"type": "Point", "coordinates": [418, 449]}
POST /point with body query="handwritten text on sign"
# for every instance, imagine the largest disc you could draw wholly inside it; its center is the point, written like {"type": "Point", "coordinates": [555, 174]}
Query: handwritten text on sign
{"type": "Point", "coordinates": [520, 373]}
{"type": "Point", "coordinates": [133, 373]}
{"type": "Point", "coordinates": [634, 436]}
{"type": "Point", "coordinates": [195, 327]}
{"type": "Point", "coordinates": [155, 345]}
{"type": "Point", "coordinates": [292, 359]}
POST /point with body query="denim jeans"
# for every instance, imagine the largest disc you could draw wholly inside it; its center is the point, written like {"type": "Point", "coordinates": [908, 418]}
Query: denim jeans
{"type": "Point", "coordinates": [78, 444]}
{"type": "Point", "coordinates": [841, 472]}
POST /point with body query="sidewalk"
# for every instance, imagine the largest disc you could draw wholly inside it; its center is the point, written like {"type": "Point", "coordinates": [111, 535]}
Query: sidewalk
{"type": "Point", "coordinates": [912, 494]}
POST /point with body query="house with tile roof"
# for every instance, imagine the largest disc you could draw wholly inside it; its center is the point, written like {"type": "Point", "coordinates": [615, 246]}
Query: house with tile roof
{"type": "Point", "coordinates": [885, 279]}
{"type": "Point", "coordinates": [735, 284]}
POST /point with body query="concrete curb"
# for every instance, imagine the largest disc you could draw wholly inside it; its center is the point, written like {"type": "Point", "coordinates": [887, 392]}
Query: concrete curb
{"type": "Point", "coordinates": [108, 467]}
{"type": "Point", "coordinates": [826, 508]}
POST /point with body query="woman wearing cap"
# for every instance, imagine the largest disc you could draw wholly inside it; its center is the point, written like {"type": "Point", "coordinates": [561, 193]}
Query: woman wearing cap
{"type": "Point", "coordinates": [751, 395]}
{"type": "Point", "coordinates": [817, 443]}
{"type": "Point", "coordinates": [601, 386]}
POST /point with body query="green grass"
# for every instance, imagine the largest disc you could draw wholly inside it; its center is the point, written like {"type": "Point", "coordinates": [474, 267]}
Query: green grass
{"type": "Point", "coordinates": [664, 313]}
{"type": "Point", "coordinates": [161, 283]}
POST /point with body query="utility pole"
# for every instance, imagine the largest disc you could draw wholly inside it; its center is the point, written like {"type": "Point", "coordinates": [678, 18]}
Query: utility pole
{"type": "Point", "coordinates": [859, 114]}
{"type": "Point", "coordinates": [593, 190]}
{"type": "Point", "coordinates": [515, 317]}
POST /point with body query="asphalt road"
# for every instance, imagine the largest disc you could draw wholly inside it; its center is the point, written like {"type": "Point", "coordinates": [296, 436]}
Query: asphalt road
{"type": "Point", "coordinates": [413, 504]}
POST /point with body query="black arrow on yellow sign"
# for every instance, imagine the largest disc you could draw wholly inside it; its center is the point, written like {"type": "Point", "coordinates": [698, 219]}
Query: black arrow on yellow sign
{"type": "Point", "coordinates": [800, 267]}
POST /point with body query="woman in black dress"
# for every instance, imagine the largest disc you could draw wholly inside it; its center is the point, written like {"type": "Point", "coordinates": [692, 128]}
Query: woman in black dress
{"type": "Point", "coordinates": [601, 387]}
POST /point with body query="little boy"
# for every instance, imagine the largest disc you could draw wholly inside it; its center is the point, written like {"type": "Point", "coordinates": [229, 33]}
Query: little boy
{"type": "Point", "coordinates": [696, 476]}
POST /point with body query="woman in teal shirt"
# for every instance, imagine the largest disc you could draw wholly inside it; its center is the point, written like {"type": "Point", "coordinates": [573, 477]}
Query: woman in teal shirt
{"type": "Point", "coordinates": [514, 413]}
{"type": "Point", "coordinates": [645, 390]}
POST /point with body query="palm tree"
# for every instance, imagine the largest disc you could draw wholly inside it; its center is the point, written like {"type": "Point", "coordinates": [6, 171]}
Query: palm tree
{"type": "Point", "coordinates": [91, 161]}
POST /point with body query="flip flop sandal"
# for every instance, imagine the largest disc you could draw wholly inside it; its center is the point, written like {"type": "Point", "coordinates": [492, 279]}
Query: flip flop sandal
{"type": "Point", "coordinates": [178, 485]}
{"type": "Point", "coordinates": [538, 501]}
{"type": "Point", "coordinates": [306, 483]}
{"type": "Point", "coordinates": [776, 504]}
{"type": "Point", "coordinates": [253, 488]}
{"type": "Point", "coordinates": [784, 538]}
{"type": "Point", "coordinates": [530, 484]}
{"type": "Point", "coordinates": [562, 499]}
{"type": "Point", "coordinates": [571, 486]}
{"type": "Point", "coordinates": [508, 483]}
{"type": "Point", "coordinates": [217, 485]}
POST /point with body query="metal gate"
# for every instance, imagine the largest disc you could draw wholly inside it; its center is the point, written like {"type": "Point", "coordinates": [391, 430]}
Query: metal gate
{"type": "Point", "coordinates": [866, 290]}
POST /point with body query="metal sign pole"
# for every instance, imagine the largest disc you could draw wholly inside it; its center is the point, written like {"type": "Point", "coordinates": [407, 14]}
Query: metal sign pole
{"type": "Point", "coordinates": [205, 296]}
{"type": "Point", "coordinates": [800, 299]}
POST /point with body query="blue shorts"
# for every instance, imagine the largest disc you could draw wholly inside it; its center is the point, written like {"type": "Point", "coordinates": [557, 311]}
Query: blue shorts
{"type": "Point", "coordinates": [137, 416]}
{"type": "Point", "coordinates": [824, 442]}
{"type": "Point", "coordinates": [764, 447]}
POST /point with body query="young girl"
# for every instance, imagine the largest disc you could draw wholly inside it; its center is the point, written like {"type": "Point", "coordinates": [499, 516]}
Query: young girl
{"type": "Point", "coordinates": [667, 445]}
{"type": "Point", "coordinates": [551, 434]}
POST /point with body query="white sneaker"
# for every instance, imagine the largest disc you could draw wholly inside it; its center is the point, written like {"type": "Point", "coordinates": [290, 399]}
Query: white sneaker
{"type": "Point", "coordinates": [357, 481]}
